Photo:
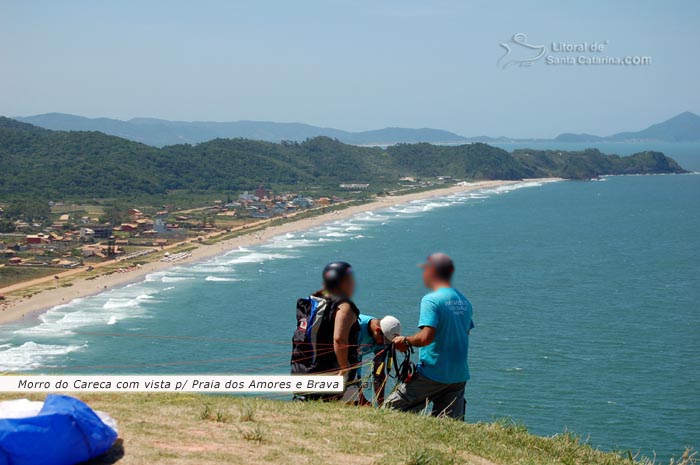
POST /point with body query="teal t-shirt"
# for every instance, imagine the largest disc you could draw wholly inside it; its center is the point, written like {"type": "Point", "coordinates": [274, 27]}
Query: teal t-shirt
{"type": "Point", "coordinates": [366, 343]}
{"type": "Point", "coordinates": [450, 313]}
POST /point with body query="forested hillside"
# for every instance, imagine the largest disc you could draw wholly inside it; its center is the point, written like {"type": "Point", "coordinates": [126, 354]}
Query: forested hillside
{"type": "Point", "coordinates": [37, 162]}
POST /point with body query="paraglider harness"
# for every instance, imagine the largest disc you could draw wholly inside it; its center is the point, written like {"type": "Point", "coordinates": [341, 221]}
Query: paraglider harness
{"type": "Point", "coordinates": [312, 343]}
{"type": "Point", "coordinates": [403, 370]}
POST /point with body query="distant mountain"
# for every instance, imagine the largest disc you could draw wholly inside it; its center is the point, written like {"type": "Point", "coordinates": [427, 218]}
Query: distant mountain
{"type": "Point", "coordinates": [570, 137]}
{"type": "Point", "coordinates": [159, 132]}
{"type": "Point", "coordinates": [681, 128]}
{"type": "Point", "coordinates": [87, 165]}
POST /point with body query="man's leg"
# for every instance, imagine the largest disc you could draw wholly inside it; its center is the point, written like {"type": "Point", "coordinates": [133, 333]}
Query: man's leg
{"type": "Point", "coordinates": [450, 402]}
{"type": "Point", "coordinates": [414, 395]}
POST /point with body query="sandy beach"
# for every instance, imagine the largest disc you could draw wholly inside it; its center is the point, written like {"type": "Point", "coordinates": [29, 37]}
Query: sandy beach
{"type": "Point", "coordinates": [17, 309]}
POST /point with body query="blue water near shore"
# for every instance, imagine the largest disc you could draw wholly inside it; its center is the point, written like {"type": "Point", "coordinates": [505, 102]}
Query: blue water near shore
{"type": "Point", "coordinates": [586, 299]}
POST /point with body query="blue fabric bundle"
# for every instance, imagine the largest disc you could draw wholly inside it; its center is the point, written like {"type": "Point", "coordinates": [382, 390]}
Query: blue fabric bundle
{"type": "Point", "coordinates": [65, 432]}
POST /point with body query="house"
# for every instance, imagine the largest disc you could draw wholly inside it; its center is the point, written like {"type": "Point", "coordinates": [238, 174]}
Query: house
{"type": "Point", "coordinates": [86, 233]}
{"type": "Point", "coordinates": [144, 224]}
{"type": "Point", "coordinates": [303, 202]}
{"type": "Point", "coordinates": [161, 223]}
{"type": "Point", "coordinates": [129, 227]}
{"type": "Point", "coordinates": [36, 239]}
{"type": "Point", "coordinates": [261, 192]}
{"type": "Point", "coordinates": [324, 201]}
{"type": "Point", "coordinates": [99, 231]}
{"type": "Point", "coordinates": [14, 261]}
{"type": "Point", "coordinates": [354, 187]}
{"type": "Point", "coordinates": [64, 217]}
{"type": "Point", "coordinates": [246, 197]}
{"type": "Point", "coordinates": [134, 213]}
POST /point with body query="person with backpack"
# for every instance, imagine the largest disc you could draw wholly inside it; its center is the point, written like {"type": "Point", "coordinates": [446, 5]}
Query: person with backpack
{"type": "Point", "coordinates": [326, 337]}
{"type": "Point", "coordinates": [445, 323]}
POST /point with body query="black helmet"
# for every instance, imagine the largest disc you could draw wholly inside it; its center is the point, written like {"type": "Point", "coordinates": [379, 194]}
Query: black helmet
{"type": "Point", "coordinates": [334, 273]}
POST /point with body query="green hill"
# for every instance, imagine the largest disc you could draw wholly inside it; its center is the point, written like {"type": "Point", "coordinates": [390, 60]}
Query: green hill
{"type": "Point", "coordinates": [41, 163]}
{"type": "Point", "coordinates": [188, 429]}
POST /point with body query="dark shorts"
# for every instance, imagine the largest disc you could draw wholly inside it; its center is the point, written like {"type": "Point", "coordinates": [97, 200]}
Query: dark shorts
{"type": "Point", "coordinates": [414, 396]}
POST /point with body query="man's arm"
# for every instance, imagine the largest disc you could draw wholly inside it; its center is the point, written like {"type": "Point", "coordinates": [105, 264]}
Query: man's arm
{"type": "Point", "coordinates": [344, 319]}
{"type": "Point", "coordinates": [428, 321]}
{"type": "Point", "coordinates": [422, 338]}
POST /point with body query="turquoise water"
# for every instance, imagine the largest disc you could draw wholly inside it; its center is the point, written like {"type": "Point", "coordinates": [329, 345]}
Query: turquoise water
{"type": "Point", "coordinates": [585, 297]}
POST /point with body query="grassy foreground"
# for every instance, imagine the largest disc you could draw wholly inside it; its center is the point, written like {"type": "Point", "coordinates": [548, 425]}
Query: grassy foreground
{"type": "Point", "coordinates": [188, 429]}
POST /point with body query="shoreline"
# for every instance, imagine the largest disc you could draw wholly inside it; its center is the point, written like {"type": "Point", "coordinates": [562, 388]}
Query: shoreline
{"type": "Point", "coordinates": [21, 310]}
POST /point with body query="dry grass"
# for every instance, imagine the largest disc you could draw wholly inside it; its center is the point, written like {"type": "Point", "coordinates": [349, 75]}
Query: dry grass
{"type": "Point", "coordinates": [185, 429]}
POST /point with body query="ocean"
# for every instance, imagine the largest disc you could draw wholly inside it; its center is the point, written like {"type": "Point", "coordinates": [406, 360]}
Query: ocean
{"type": "Point", "coordinates": [586, 302]}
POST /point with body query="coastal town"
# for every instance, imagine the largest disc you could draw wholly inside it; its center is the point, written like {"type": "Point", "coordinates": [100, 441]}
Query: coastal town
{"type": "Point", "coordinates": [83, 236]}
{"type": "Point", "coordinates": [81, 248]}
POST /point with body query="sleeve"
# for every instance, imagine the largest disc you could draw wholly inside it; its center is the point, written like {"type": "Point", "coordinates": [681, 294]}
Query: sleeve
{"type": "Point", "coordinates": [428, 313]}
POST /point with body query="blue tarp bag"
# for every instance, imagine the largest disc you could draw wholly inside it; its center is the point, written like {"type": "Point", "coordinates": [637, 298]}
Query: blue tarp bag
{"type": "Point", "coordinates": [65, 432]}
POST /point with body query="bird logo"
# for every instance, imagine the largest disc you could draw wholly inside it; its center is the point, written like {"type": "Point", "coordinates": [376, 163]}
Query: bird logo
{"type": "Point", "coordinates": [519, 52]}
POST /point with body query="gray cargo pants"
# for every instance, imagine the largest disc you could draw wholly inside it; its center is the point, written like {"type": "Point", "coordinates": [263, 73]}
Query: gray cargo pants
{"type": "Point", "coordinates": [414, 396]}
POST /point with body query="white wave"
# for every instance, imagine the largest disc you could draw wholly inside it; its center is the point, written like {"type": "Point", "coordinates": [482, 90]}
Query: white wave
{"type": "Point", "coordinates": [175, 279]}
{"type": "Point", "coordinates": [158, 276]}
{"type": "Point", "coordinates": [31, 355]}
{"type": "Point", "coordinates": [208, 269]}
{"type": "Point", "coordinates": [102, 309]}
{"type": "Point", "coordinates": [220, 279]}
{"type": "Point", "coordinates": [125, 302]}
{"type": "Point", "coordinates": [288, 243]}
{"type": "Point", "coordinates": [257, 257]}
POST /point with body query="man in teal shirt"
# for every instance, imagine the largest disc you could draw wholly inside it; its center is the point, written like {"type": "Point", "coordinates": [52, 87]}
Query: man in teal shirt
{"type": "Point", "coordinates": [442, 371]}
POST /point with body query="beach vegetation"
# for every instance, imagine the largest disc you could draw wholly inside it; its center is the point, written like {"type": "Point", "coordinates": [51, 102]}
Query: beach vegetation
{"type": "Point", "coordinates": [94, 167]}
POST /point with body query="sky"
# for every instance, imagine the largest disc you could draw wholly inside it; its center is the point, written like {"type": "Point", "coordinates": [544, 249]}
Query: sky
{"type": "Point", "coordinates": [355, 64]}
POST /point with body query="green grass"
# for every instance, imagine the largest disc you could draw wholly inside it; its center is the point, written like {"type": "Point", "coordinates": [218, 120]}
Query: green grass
{"type": "Point", "coordinates": [10, 275]}
{"type": "Point", "coordinates": [188, 429]}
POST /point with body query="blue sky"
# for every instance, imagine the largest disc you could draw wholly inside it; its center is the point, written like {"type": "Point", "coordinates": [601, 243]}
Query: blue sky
{"type": "Point", "coordinates": [351, 64]}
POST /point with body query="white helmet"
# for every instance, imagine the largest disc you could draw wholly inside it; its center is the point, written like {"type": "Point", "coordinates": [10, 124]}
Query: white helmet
{"type": "Point", "coordinates": [391, 327]}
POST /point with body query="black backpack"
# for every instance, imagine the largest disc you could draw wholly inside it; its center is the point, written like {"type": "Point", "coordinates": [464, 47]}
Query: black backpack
{"type": "Point", "coordinates": [312, 343]}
